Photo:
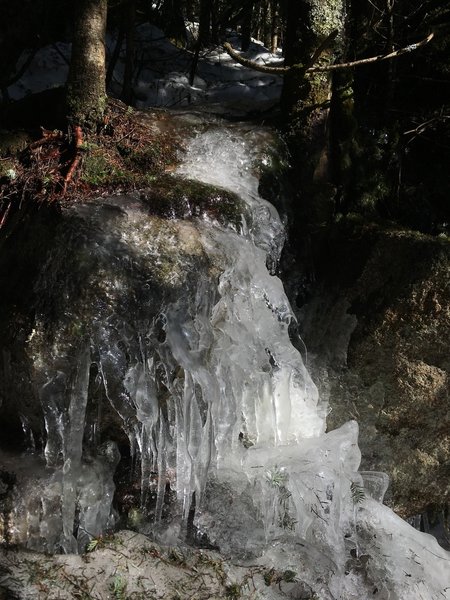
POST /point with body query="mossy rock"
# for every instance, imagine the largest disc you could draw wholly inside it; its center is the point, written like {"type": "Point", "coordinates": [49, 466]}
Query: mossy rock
{"type": "Point", "coordinates": [100, 169]}
{"type": "Point", "coordinates": [13, 142]}
{"type": "Point", "coordinates": [152, 157]}
{"type": "Point", "coordinates": [175, 197]}
{"type": "Point", "coordinates": [7, 169]}
{"type": "Point", "coordinates": [377, 322]}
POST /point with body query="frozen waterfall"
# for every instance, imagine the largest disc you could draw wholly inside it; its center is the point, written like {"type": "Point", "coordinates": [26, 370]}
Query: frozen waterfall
{"type": "Point", "coordinates": [175, 334]}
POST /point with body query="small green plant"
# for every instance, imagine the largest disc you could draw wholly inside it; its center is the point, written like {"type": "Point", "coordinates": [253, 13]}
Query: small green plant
{"type": "Point", "coordinates": [100, 542]}
{"type": "Point", "coordinates": [278, 478]}
{"type": "Point", "coordinates": [175, 557]}
{"type": "Point", "coordinates": [97, 169]}
{"type": "Point", "coordinates": [289, 576]}
{"type": "Point", "coordinates": [119, 587]}
{"type": "Point", "coordinates": [273, 576]}
{"type": "Point", "coordinates": [357, 491]}
{"type": "Point", "coordinates": [93, 545]}
{"type": "Point", "coordinates": [233, 591]}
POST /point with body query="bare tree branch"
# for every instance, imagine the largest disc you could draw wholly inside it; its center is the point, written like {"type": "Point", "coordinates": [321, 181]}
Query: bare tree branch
{"type": "Point", "coordinates": [251, 64]}
{"type": "Point", "coordinates": [426, 125]}
{"type": "Point", "coordinates": [372, 59]}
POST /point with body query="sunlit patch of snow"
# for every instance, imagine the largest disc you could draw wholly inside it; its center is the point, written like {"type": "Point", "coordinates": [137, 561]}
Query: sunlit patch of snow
{"type": "Point", "coordinates": [162, 74]}
{"type": "Point", "coordinates": [49, 68]}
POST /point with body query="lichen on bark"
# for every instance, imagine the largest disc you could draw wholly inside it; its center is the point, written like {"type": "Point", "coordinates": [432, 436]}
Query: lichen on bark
{"type": "Point", "coordinates": [326, 17]}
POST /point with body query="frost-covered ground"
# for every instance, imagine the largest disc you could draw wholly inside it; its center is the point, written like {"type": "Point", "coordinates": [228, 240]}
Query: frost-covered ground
{"type": "Point", "coordinates": [162, 75]}
{"type": "Point", "coordinates": [128, 565]}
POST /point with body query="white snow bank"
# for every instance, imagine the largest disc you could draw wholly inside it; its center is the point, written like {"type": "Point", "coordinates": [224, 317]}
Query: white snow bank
{"type": "Point", "coordinates": [162, 75]}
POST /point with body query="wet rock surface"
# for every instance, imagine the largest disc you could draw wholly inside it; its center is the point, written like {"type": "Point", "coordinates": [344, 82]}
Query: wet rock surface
{"type": "Point", "coordinates": [377, 327]}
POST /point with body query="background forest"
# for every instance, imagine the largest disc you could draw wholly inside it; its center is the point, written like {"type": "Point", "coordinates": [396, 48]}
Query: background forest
{"type": "Point", "coordinates": [371, 140]}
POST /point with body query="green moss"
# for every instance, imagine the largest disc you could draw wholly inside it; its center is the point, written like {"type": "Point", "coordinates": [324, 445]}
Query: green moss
{"type": "Point", "coordinates": [13, 142]}
{"type": "Point", "coordinates": [86, 110]}
{"type": "Point", "coordinates": [174, 197]}
{"type": "Point", "coordinates": [149, 158]}
{"type": "Point", "coordinates": [233, 590]}
{"type": "Point", "coordinates": [100, 168]}
{"type": "Point", "coordinates": [97, 169]}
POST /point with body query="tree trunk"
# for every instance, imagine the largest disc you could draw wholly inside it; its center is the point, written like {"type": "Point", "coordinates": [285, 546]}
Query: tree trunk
{"type": "Point", "coordinates": [305, 101]}
{"type": "Point", "coordinates": [274, 25]}
{"type": "Point", "coordinates": [247, 25]}
{"type": "Point", "coordinates": [115, 55]}
{"type": "Point", "coordinates": [86, 93]}
{"type": "Point", "coordinates": [172, 22]}
{"type": "Point", "coordinates": [266, 37]}
{"type": "Point", "coordinates": [130, 18]}
{"type": "Point", "coordinates": [204, 35]}
{"type": "Point", "coordinates": [204, 27]}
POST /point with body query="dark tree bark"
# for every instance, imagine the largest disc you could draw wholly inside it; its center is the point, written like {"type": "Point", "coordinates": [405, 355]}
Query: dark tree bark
{"type": "Point", "coordinates": [215, 22]}
{"type": "Point", "coordinates": [247, 24]}
{"type": "Point", "coordinates": [115, 55]}
{"type": "Point", "coordinates": [130, 18]}
{"type": "Point", "coordinates": [274, 13]}
{"type": "Point", "coordinates": [305, 101]}
{"type": "Point", "coordinates": [86, 93]}
{"type": "Point", "coordinates": [172, 21]}
{"type": "Point", "coordinates": [266, 37]}
{"type": "Point", "coordinates": [204, 35]}
{"type": "Point", "coordinates": [204, 27]}
{"type": "Point", "coordinates": [349, 149]}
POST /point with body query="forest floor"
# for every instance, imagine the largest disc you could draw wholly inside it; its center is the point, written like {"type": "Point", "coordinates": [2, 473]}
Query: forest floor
{"type": "Point", "coordinates": [50, 167]}
{"type": "Point", "coordinates": [129, 565]}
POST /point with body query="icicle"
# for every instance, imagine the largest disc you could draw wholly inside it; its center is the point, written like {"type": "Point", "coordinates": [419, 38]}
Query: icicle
{"type": "Point", "coordinates": [73, 447]}
{"type": "Point", "coordinates": [162, 469]}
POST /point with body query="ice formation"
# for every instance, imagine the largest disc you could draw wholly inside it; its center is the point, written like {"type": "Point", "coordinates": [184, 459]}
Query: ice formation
{"type": "Point", "coordinates": [185, 332]}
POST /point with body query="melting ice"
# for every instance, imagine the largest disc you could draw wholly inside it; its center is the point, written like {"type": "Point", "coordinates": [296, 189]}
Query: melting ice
{"type": "Point", "coordinates": [176, 334]}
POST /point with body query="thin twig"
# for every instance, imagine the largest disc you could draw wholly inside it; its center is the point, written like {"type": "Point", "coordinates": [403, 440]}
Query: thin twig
{"type": "Point", "coordinates": [5, 215]}
{"type": "Point", "coordinates": [128, 134]}
{"type": "Point", "coordinates": [48, 136]}
{"type": "Point", "coordinates": [76, 585]}
{"type": "Point", "coordinates": [423, 126]}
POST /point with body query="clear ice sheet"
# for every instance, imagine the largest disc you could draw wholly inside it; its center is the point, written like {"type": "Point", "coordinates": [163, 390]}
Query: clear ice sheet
{"type": "Point", "coordinates": [301, 486]}
{"type": "Point", "coordinates": [189, 333]}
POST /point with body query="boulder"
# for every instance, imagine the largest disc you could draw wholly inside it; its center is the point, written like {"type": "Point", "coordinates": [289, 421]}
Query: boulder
{"type": "Point", "coordinates": [377, 325]}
